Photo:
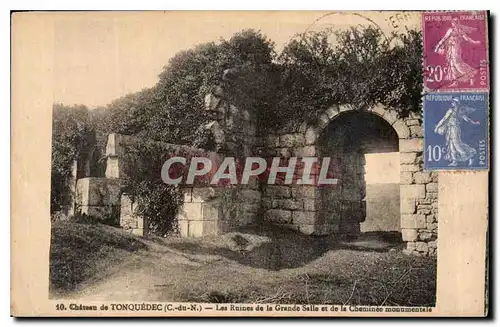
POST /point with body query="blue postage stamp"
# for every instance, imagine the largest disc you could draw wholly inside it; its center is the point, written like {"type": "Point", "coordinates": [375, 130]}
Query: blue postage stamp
{"type": "Point", "coordinates": [456, 131]}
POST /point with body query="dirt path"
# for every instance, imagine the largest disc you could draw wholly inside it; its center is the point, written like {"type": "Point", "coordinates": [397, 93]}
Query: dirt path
{"type": "Point", "coordinates": [189, 270]}
{"type": "Point", "coordinates": [144, 276]}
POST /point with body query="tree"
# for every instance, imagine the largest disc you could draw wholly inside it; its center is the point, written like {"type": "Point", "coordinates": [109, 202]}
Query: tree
{"type": "Point", "coordinates": [364, 68]}
{"type": "Point", "coordinates": [72, 131]}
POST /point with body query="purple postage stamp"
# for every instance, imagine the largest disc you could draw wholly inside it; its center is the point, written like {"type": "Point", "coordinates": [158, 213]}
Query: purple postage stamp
{"type": "Point", "coordinates": [455, 51]}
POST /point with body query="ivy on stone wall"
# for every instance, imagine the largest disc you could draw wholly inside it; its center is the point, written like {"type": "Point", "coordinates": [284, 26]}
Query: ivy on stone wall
{"type": "Point", "coordinates": [358, 67]}
{"type": "Point", "coordinates": [72, 132]}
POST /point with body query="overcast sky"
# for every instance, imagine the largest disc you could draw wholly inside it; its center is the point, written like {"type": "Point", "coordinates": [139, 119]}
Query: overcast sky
{"type": "Point", "coordinates": [99, 57]}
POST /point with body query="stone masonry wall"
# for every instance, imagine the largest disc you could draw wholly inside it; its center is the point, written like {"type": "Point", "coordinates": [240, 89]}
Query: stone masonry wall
{"type": "Point", "coordinates": [98, 197]}
{"type": "Point", "coordinates": [304, 208]}
{"type": "Point", "coordinates": [308, 209]}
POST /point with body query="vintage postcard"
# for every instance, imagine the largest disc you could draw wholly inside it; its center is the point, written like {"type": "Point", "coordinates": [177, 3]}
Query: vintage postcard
{"type": "Point", "coordinates": [285, 164]}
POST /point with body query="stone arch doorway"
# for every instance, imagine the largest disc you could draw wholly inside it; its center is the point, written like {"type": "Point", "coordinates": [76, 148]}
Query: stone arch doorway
{"type": "Point", "coordinates": [364, 152]}
{"type": "Point", "coordinates": [418, 189]}
{"type": "Point", "coordinates": [303, 207]}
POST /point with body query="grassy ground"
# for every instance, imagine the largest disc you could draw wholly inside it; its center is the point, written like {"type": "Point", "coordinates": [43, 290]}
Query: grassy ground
{"type": "Point", "coordinates": [256, 265]}
{"type": "Point", "coordinates": [79, 252]}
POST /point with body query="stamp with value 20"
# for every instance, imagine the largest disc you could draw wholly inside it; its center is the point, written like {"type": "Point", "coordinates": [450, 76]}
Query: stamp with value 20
{"type": "Point", "coordinates": [455, 51]}
{"type": "Point", "coordinates": [456, 131]}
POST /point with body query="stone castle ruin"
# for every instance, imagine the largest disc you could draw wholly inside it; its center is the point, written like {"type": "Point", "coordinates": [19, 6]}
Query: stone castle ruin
{"type": "Point", "coordinates": [346, 134]}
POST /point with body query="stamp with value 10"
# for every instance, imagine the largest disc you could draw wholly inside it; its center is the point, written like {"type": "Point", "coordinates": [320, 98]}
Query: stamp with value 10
{"type": "Point", "coordinates": [456, 131]}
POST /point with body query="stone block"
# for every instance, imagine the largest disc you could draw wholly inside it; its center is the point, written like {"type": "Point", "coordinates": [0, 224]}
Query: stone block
{"type": "Point", "coordinates": [203, 194]}
{"type": "Point", "coordinates": [291, 140]}
{"type": "Point", "coordinates": [412, 122]}
{"type": "Point", "coordinates": [304, 192]}
{"type": "Point", "coordinates": [432, 226]}
{"type": "Point", "coordinates": [292, 227]}
{"type": "Point", "coordinates": [352, 193]}
{"type": "Point", "coordinates": [128, 219]}
{"type": "Point", "coordinates": [183, 226]}
{"type": "Point", "coordinates": [422, 177]}
{"type": "Point", "coordinates": [406, 177]}
{"type": "Point", "coordinates": [407, 157]}
{"type": "Point", "coordinates": [409, 168]}
{"type": "Point", "coordinates": [391, 116]}
{"type": "Point", "coordinates": [195, 228]}
{"type": "Point", "coordinates": [277, 191]}
{"type": "Point", "coordinates": [190, 211]}
{"type": "Point", "coordinates": [277, 216]}
{"type": "Point", "coordinates": [140, 222]}
{"type": "Point", "coordinates": [401, 129]}
{"type": "Point", "coordinates": [210, 228]}
{"type": "Point", "coordinates": [95, 191]}
{"type": "Point", "coordinates": [425, 236]}
{"type": "Point", "coordinates": [323, 120]}
{"type": "Point", "coordinates": [267, 203]}
{"type": "Point", "coordinates": [99, 212]}
{"type": "Point", "coordinates": [211, 102]}
{"type": "Point", "coordinates": [422, 247]}
{"type": "Point", "coordinates": [413, 221]}
{"type": "Point", "coordinates": [303, 217]}
{"type": "Point", "coordinates": [411, 145]}
{"type": "Point", "coordinates": [116, 143]}
{"type": "Point", "coordinates": [309, 205]}
{"type": "Point", "coordinates": [411, 246]}
{"type": "Point", "coordinates": [288, 204]}
{"type": "Point", "coordinates": [250, 196]}
{"type": "Point", "coordinates": [332, 112]}
{"type": "Point", "coordinates": [407, 206]}
{"type": "Point", "coordinates": [416, 131]}
{"type": "Point", "coordinates": [307, 229]}
{"type": "Point", "coordinates": [409, 235]}
{"type": "Point", "coordinates": [253, 208]}
{"type": "Point", "coordinates": [112, 168]}
{"type": "Point", "coordinates": [431, 187]}
{"type": "Point", "coordinates": [311, 136]}
{"type": "Point", "coordinates": [210, 211]}
{"type": "Point", "coordinates": [138, 231]}
{"type": "Point", "coordinates": [187, 193]}
{"type": "Point", "coordinates": [413, 191]}
{"type": "Point", "coordinates": [431, 195]}
{"type": "Point", "coordinates": [307, 151]}
{"type": "Point", "coordinates": [379, 110]}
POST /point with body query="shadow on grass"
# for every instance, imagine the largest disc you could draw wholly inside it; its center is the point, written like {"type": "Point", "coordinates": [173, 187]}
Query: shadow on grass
{"type": "Point", "coordinates": [364, 271]}
{"type": "Point", "coordinates": [285, 248]}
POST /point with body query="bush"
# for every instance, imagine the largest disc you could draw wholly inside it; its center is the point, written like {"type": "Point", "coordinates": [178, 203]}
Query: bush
{"type": "Point", "coordinates": [364, 68]}
{"type": "Point", "coordinates": [157, 202]}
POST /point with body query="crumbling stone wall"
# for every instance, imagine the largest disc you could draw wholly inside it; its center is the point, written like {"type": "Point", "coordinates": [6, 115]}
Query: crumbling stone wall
{"type": "Point", "coordinates": [310, 210]}
{"type": "Point", "coordinates": [99, 198]}
{"type": "Point", "coordinates": [307, 211]}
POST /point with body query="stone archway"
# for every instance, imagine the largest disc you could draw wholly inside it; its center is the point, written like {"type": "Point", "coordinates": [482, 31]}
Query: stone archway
{"type": "Point", "coordinates": [361, 146]}
{"type": "Point", "coordinates": [418, 189]}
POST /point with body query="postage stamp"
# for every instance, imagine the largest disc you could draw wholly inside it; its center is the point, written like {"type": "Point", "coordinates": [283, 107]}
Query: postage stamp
{"type": "Point", "coordinates": [455, 51]}
{"type": "Point", "coordinates": [456, 131]}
